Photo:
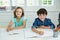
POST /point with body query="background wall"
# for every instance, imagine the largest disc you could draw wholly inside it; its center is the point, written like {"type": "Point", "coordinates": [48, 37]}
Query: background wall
{"type": "Point", "coordinates": [30, 13]}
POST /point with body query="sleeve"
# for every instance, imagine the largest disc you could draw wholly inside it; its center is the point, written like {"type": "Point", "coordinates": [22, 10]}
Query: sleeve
{"type": "Point", "coordinates": [14, 20]}
{"type": "Point", "coordinates": [34, 24]}
{"type": "Point", "coordinates": [52, 26]}
{"type": "Point", "coordinates": [25, 19]}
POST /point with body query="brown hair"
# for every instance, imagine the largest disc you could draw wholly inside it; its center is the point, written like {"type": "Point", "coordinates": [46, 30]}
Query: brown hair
{"type": "Point", "coordinates": [22, 12]}
{"type": "Point", "coordinates": [42, 11]}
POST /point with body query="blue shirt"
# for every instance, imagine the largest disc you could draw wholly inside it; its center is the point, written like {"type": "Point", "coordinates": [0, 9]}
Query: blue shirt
{"type": "Point", "coordinates": [47, 22]}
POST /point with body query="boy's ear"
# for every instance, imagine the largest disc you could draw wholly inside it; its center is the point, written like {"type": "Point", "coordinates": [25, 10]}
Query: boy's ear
{"type": "Point", "coordinates": [58, 25]}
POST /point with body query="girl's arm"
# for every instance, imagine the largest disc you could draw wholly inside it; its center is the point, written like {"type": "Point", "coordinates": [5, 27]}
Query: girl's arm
{"type": "Point", "coordinates": [21, 27]}
{"type": "Point", "coordinates": [9, 26]}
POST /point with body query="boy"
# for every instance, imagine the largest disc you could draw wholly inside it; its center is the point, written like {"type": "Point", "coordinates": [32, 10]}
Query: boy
{"type": "Point", "coordinates": [42, 22]}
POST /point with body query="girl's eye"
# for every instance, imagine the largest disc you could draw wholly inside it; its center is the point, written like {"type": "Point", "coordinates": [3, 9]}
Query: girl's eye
{"type": "Point", "coordinates": [19, 12]}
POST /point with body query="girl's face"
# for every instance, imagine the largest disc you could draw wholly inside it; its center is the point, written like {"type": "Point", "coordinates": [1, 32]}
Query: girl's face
{"type": "Point", "coordinates": [19, 13]}
{"type": "Point", "coordinates": [42, 17]}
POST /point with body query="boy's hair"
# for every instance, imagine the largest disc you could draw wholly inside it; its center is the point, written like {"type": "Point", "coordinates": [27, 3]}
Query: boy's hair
{"type": "Point", "coordinates": [22, 12]}
{"type": "Point", "coordinates": [42, 11]}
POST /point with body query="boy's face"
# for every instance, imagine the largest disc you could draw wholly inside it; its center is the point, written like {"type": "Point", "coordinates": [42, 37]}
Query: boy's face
{"type": "Point", "coordinates": [18, 12]}
{"type": "Point", "coordinates": [42, 17]}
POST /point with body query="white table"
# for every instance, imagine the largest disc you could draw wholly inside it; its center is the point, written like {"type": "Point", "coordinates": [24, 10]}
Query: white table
{"type": "Point", "coordinates": [22, 36]}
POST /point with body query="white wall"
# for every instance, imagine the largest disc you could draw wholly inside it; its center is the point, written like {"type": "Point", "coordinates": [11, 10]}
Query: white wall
{"type": "Point", "coordinates": [30, 13]}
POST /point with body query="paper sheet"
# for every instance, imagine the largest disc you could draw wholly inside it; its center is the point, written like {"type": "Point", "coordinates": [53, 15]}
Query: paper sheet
{"type": "Point", "coordinates": [27, 33]}
{"type": "Point", "coordinates": [14, 32]}
{"type": "Point", "coordinates": [47, 32]}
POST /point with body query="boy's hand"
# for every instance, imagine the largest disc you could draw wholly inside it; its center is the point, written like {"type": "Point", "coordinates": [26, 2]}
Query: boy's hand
{"type": "Point", "coordinates": [40, 32]}
{"type": "Point", "coordinates": [55, 29]}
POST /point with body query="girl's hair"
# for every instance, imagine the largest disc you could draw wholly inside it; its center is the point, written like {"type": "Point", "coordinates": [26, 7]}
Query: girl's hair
{"type": "Point", "coordinates": [42, 11]}
{"type": "Point", "coordinates": [22, 12]}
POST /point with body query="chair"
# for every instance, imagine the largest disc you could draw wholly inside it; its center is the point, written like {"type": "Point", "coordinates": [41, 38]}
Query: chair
{"type": "Point", "coordinates": [58, 26]}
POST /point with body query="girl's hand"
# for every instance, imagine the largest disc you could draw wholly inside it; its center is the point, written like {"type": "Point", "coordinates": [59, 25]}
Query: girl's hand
{"type": "Point", "coordinates": [8, 29]}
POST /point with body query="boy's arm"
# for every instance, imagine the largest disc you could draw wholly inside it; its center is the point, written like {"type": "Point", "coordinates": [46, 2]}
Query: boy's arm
{"type": "Point", "coordinates": [35, 24]}
{"type": "Point", "coordinates": [48, 27]}
{"type": "Point", "coordinates": [36, 31]}
{"type": "Point", "coordinates": [34, 28]}
{"type": "Point", "coordinates": [52, 26]}
{"type": "Point", "coordinates": [45, 27]}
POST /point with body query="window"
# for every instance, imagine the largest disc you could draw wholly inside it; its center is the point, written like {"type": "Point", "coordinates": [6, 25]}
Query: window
{"type": "Point", "coordinates": [32, 2]}
{"type": "Point", "coordinates": [47, 2]}
{"type": "Point", "coordinates": [17, 2]}
{"type": "Point", "coordinates": [4, 3]}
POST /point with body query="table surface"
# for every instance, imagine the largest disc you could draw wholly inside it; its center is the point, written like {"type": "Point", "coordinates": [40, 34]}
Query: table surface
{"type": "Point", "coordinates": [21, 35]}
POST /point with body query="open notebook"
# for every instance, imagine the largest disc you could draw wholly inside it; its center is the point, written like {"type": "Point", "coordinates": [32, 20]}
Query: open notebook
{"type": "Point", "coordinates": [47, 33]}
{"type": "Point", "coordinates": [14, 32]}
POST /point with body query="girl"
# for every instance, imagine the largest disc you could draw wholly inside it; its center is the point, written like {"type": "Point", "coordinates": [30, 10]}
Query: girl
{"type": "Point", "coordinates": [19, 20]}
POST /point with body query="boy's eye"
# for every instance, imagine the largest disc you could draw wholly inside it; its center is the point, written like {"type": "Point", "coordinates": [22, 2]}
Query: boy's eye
{"type": "Point", "coordinates": [40, 15]}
